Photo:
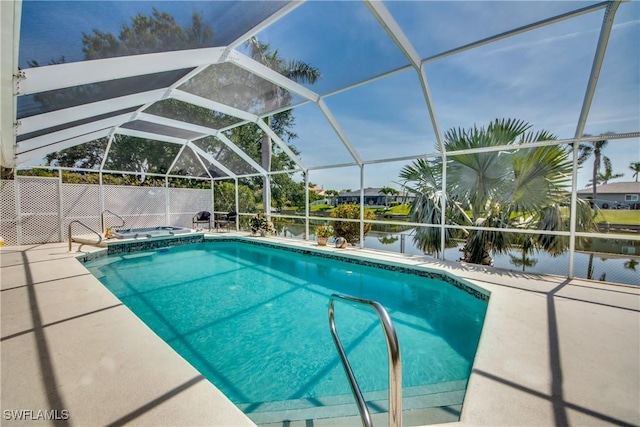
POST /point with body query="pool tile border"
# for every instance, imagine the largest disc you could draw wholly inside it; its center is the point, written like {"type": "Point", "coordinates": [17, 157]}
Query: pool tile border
{"type": "Point", "coordinates": [143, 245]}
{"type": "Point", "coordinates": [147, 244]}
{"type": "Point", "coordinates": [414, 270]}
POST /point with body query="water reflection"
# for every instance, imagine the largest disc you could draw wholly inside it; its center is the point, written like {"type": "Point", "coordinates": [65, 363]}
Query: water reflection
{"type": "Point", "coordinates": [523, 261]}
{"type": "Point", "coordinates": [613, 260]}
{"type": "Point", "coordinates": [631, 264]}
{"type": "Point", "coordinates": [388, 240]}
{"type": "Point", "coordinates": [599, 259]}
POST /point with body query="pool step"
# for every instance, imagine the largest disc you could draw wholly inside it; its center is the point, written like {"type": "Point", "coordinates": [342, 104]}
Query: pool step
{"type": "Point", "coordinates": [418, 417]}
{"type": "Point", "coordinates": [440, 402]}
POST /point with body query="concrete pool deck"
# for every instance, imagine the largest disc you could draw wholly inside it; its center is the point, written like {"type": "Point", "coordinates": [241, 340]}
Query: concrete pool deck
{"type": "Point", "coordinates": [552, 351]}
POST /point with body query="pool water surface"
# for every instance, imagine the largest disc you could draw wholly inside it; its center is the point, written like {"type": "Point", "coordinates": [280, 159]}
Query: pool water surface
{"type": "Point", "coordinates": [253, 320]}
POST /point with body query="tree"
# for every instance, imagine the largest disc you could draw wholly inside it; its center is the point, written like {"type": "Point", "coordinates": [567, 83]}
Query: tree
{"type": "Point", "coordinates": [145, 34]}
{"type": "Point", "coordinates": [596, 148]}
{"type": "Point", "coordinates": [387, 191]}
{"type": "Point", "coordinates": [225, 197]}
{"type": "Point", "coordinates": [160, 32]}
{"type": "Point", "coordinates": [148, 34]}
{"type": "Point", "coordinates": [520, 188]}
{"type": "Point", "coordinates": [85, 156]}
{"type": "Point", "coordinates": [331, 194]}
{"type": "Point", "coordinates": [635, 167]}
{"type": "Point", "coordinates": [607, 175]}
{"type": "Point", "coordinates": [274, 96]}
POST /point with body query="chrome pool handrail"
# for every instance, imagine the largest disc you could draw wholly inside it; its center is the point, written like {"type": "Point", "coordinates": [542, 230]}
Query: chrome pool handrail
{"type": "Point", "coordinates": [102, 224]}
{"type": "Point", "coordinates": [395, 362]}
{"type": "Point", "coordinates": [85, 226]}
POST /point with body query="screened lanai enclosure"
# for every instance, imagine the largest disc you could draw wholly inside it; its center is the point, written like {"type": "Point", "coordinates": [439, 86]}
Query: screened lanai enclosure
{"type": "Point", "coordinates": [476, 130]}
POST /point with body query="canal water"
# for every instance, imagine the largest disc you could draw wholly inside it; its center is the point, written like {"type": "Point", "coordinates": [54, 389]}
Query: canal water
{"type": "Point", "coordinates": [614, 261]}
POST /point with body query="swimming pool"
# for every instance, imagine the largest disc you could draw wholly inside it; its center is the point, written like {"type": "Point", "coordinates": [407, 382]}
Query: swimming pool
{"type": "Point", "coordinates": [135, 233]}
{"type": "Point", "coordinates": [253, 320]}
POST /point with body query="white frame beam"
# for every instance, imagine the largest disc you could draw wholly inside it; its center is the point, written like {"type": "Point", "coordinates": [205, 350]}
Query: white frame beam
{"type": "Point", "coordinates": [205, 131]}
{"type": "Point", "coordinates": [173, 140]}
{"type": "Point", "coordinates": [603, 41]}
{"type": "Point", "coordinates": [211, 105]}
{"type": "Point", "coordinates": [265, 23]}
{"type": "Point", "coordinates": [336, 127]}
{"type": "Point", "coordinates": [149, 135]}
{"type": "Point", "coordinates": [40, 152]}
{"type": "Point", "coordinates": [207, 156]}
{"type": "Point", "coordinates": [519, 30]}
{"type": "Point", "coordinates": [270, 75]}
{"type": "Point", "coordinates": [50, 77]}
{"type": "Point", "coordinates": [77, 131]}
{"type": "Point", "coordinates": [280, 143]}
{"type": "Point", "coordinates": [222, 137]}
{"type": "Point", "coordinates": [85, 111]}
{"type": "Point", "coordinates": [394, 31]}
{"type": "Point", "coordinates": [10, 15]}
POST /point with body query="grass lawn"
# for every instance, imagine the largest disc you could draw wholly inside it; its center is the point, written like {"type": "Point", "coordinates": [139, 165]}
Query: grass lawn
{"type": "Point", "coordinates": [398, 210]}
{"type": "Point", "coordinates": [317, 208]}
{"type": "Point", "coordinates": [614, 216]}
{"type": "Point", "coordinates": [618, 216]}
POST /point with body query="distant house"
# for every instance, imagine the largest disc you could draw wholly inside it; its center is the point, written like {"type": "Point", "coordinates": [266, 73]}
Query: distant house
{"type": "Point", "coordinates": [616, 195]}
{"type": "Point", "coordinates": [317, 189]}
{"type": "Point", "coordinates": [373, 197]}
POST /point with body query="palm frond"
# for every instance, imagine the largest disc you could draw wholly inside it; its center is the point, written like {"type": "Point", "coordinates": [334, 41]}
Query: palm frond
{"type": "Point", "coordinates": [519, 187]}
{"type": "Point", "coordinates": [542, 174]}
{"type": "Point", "coordinates": [301, 72]}
{"type": "Point", "coordinates": [427, 205]}
{"type": "Point", "coordinates": [551, 220]}
{"type": "Point", "coordinates": [584, 152]}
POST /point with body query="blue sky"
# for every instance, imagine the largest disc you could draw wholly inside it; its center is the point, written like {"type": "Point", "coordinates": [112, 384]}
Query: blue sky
{"type": "Point", "coordinates": [539, 76]}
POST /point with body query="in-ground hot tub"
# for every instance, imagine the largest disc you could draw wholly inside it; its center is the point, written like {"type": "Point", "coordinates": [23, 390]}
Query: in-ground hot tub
{"type": "Point", "coordinates": [136, 233]}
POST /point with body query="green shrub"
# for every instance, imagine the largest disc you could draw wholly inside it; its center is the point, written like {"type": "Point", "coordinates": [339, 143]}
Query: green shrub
{"type": "Point", "coordinates": [350, 230]}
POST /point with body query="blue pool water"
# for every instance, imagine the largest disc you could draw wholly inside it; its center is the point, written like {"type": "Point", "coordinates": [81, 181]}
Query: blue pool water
{"type": "Point", "coordinates": [253, 320]}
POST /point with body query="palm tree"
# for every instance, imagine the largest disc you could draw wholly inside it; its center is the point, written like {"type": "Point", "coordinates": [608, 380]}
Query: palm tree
{"type": "Point", "coordinates": [387, 191]}
{"type": "Point", "coordinates": [595, 148]}
{"type": "Point", "coordinates": [607, 175]}
{"type": "Point", "coordinates": [274, 96]}
{"type": "Point", "coordinates": [519, 188]}
{"type": "Point", "coordinates": [635, 167]}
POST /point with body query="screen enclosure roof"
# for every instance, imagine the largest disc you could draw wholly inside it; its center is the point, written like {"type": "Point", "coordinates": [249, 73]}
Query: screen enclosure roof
{"type": "Point", "coordinates": [394, 76]}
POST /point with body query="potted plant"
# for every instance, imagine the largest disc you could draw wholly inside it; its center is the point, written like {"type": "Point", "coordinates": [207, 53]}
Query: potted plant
{"type": "Point", "coordinates": [259, 224]}
{"type": "Point", "coordinates": [323, 232]}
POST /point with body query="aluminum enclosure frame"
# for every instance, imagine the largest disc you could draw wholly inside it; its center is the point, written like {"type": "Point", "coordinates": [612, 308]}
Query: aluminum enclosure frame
{"type": "Point", "coordinates": [17, 148]}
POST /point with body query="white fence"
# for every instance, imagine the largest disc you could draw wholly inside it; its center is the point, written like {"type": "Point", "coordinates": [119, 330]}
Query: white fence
{"type": "Point", "coordinates": [39, 210]}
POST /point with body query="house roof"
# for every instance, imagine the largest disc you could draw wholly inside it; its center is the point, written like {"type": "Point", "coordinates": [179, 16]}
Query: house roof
{"type": "Point", "coordinates": [369, 191]}
{"type": "Point", "coordinates": [614, 188]}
